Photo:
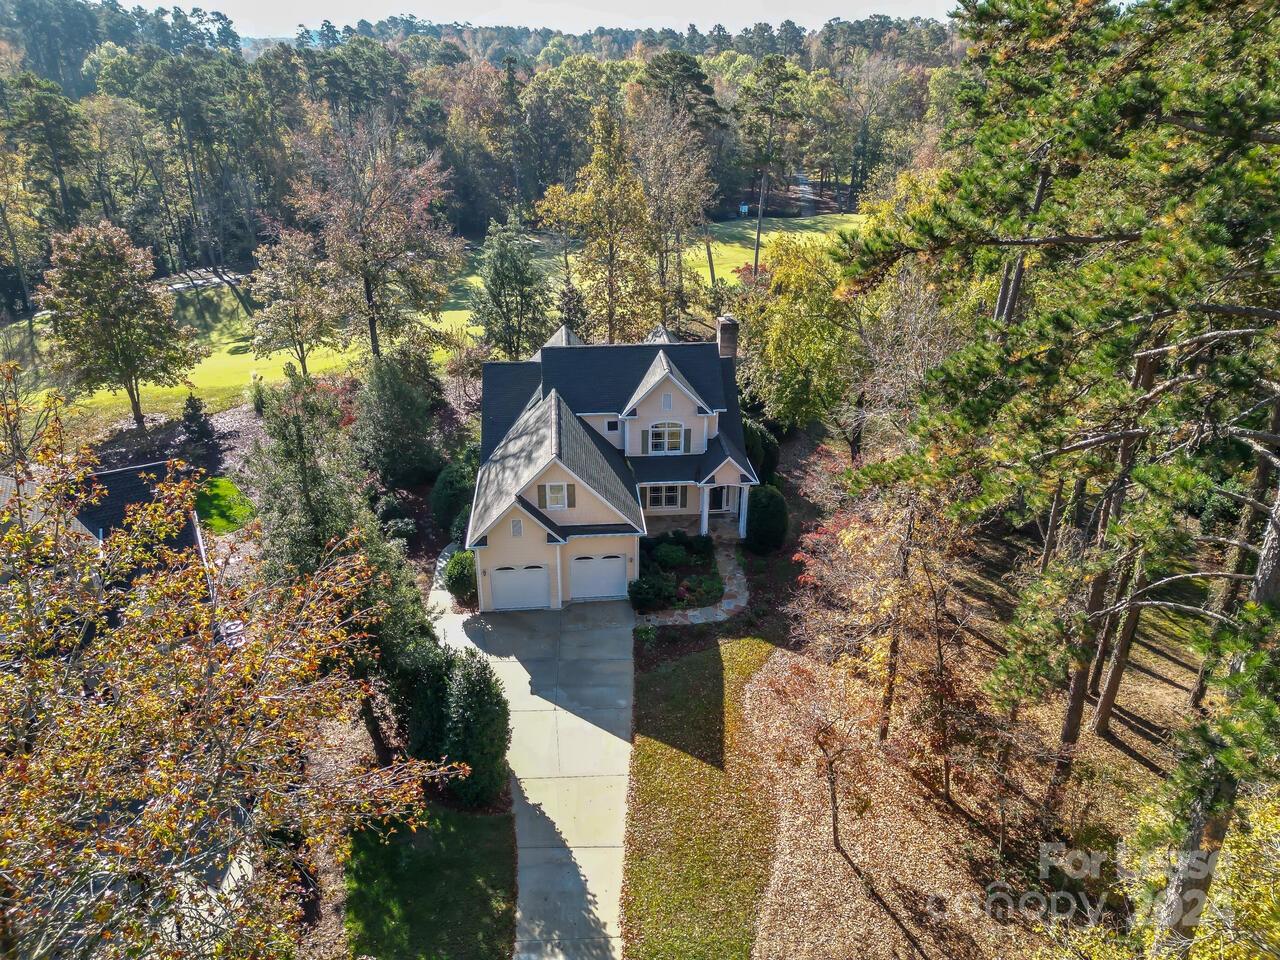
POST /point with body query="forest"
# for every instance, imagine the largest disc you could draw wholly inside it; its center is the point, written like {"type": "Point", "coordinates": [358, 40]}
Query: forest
{"type": "Point", "coordinates": [1005, 678]}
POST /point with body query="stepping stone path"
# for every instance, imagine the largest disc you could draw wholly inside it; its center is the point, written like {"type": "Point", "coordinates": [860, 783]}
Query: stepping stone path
{"type": "Point", "coordinates": [734, 601]}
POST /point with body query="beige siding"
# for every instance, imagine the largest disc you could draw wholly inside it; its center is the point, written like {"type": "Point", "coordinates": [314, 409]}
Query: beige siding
{"type": "Point", "coordinates": [728, 474]}
{"type": "Point", "coordinates": [683, 410]}
{"type": "Point", "coordinates": [598, 423]}
{"type": "Point", "coordinates": [628, 546]}
{"type": "Point", "coordinates": [587, 508]}
{"type": "Point", "coordinates": [505, 550]}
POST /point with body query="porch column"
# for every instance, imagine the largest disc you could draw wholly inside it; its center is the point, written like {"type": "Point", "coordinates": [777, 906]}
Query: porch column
{"type": "Point", "coordinates": [705, 493]}
{"type": "Point", "coordinates": [742, 510]}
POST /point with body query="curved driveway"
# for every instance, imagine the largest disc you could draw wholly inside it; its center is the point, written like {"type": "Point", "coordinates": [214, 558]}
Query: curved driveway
{"type": "Point", "coordinates": [568, 677]}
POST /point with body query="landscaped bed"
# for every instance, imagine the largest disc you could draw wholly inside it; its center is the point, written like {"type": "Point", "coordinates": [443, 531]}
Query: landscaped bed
{"type": "Point", "coordinates": [677, 571]}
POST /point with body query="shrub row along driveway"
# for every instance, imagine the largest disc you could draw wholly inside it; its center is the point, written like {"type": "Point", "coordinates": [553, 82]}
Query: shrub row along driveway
{"type": "Point", "coordinates": [568, 678]}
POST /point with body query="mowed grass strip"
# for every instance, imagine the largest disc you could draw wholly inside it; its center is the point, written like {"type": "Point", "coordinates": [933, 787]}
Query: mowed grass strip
{"type": "Point", "coordinates": [444, 892]}
{"type": "Point", "coordinates": [221, 507]}
{"type": "Point", "coordinates": [699, 843]}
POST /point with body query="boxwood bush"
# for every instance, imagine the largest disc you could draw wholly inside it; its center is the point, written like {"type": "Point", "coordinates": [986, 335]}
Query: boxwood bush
{"type": "Point", "coordinates": [460, 577]}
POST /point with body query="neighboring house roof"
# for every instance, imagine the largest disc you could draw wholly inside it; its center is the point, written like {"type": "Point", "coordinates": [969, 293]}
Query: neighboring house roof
{"type": "Point", "coordinates": [122, 488]}
{"type": "Point", "coordinates": [563, 337]}
{"type": "Point", "coordinates": [600, 378]}
{"type": "Point", "coordinates": [660, 369]}
{"type": "Point", "coordinates": [549, 432]}
{"type": "Point", "coordinates": [661, 334]}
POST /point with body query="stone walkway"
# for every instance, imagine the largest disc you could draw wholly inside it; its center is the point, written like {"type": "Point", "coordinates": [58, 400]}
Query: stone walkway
{"type": "Point", "coordinates": [734, 601]}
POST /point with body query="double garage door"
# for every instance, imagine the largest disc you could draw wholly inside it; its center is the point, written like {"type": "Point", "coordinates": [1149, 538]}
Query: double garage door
{"type": "Point", "coordinates": [529, 587]}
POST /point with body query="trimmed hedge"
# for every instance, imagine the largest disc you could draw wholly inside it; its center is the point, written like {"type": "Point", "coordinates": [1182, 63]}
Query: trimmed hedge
{"type": "Point", "coordinates": [766, 519]}
{"type": "Point", "coordinates": [460, 577]}
{"type": "Point", "coordinates": [479, 730]}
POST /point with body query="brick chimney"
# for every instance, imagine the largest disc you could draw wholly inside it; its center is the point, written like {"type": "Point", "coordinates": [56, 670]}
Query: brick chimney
{"type": "Point", "coordinates": [727, 335]}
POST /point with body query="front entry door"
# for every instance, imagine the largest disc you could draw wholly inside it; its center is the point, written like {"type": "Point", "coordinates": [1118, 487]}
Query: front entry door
{"type": "Point", "coordinates": [717, 498]}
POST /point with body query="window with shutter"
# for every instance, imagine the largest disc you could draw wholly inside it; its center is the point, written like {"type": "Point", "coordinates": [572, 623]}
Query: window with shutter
{"type": "Point", "coordinates": [668, 437]}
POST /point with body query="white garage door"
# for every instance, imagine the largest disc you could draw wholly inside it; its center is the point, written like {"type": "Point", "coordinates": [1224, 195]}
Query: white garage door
{"type": "Point", "coordinates": [521, 588]}
{"type": "Point", "coordinates": [595, 578]}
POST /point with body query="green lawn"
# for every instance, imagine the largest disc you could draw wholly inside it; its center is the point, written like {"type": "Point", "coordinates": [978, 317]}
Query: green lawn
{"type": "Point", "coordinates": [699, 831]}
{"type": "Point", "coordinates": [222, 377]}
{"type": "Point", "coordinates": [221, 507]}
{"type": "Point", "coordinates": [446, 892]}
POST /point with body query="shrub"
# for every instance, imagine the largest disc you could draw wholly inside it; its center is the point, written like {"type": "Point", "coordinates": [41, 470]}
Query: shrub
{"type": "Point", "coordinates": [652, 591]}
{"type": "Point", "coordinates": [702, 548]}
{"type": "Point", "coordinates": [196, 425]}
{"type": "Point", "coordinates": [393, 417]}
{"type": "Point", "coordinates": [766, 519]}
{"type": "Point", "coordinates": [418, 671]}
{"type": "Point", "coordinates": [460, 577]}
{"type": "Point", "coordinates": [669, 556]}
{"type": "Point", "coordinates": [257, 395]}
{"type": "Point", "coordinates": [699, 590]}
{"type": "Point", "coordinates": [762, 448]}
{"type": "Point", "coordinates": [454, 488]}
{"type": "Point", "coordinates": [479, 730]}
{"type": "Point", "coordinates": [458, 529]}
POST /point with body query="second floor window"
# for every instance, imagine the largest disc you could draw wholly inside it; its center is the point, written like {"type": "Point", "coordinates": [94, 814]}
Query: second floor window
{"type": "Point", "coordinates": [666, 438]}
{"type": "Point", "coordinates": [557, 496]}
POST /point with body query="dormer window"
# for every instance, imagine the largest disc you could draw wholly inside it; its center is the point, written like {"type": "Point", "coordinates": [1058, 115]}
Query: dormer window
{"type": "Point", "coordinates": [666, 401]}
{"type": "Point", "coordinates": [557, 496]}
{"type": "Point", "coordinates": [666, 438]}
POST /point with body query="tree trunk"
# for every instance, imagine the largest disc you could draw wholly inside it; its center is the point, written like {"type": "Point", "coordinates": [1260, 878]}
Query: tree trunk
{"type": "Point", "coordinates": [711, 263]}
{"type": "Point", "coordinates": [856, 430]}
{"type": "Point", "coordinates": [1051, 534]}
{"type": "Point", "coordinates": [1214, 806]}
{"type": "Point", "coordinates": [133, 391]}
{"type": "Point", "coordinates": [17, 266]}
{"type": "Point", "coordinates": [1238, 559]}
{"type": "Point", "coordinates": [1119, 660]}
{"type": "Point", "coordinates": [760, 202]}
{"type": "Point", "coordinates": [1103, 653]}
{"type": "Point", "coordinates": [374, 348]}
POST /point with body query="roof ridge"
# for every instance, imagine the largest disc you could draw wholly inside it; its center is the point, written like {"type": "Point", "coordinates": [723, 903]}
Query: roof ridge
{"type": "Point", "coordinates": [554, 397]}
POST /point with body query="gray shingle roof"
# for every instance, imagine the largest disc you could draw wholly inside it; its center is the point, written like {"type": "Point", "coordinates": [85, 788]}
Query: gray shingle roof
{"type": "Point", "coordinates": [600, 378]}
{"type": "Point", "coordinates": [659, 369]}
{"type": "Point", "coordinates": [563, 337]}
{"type": "Point", "coordinates": [548, 430]}
{"type": "Point", "coordinates": [508, 388]}
{"type": "Point", "coordinates": [661, 334]}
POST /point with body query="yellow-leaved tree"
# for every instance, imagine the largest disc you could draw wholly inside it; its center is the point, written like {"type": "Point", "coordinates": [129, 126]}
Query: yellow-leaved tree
{"type": "Point", "coordinates": [155, 798]}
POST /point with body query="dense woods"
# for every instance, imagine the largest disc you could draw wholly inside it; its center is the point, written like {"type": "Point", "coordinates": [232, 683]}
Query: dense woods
{"type": "Point", "coordinates": [164, 125]}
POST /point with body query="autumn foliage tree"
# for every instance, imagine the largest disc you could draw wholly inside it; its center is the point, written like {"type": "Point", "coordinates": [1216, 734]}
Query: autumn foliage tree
{"type": "Point", "coordinates": [113, 326]}
{"type": "Point", "coordinates": [154, 720]}
{"type": "Point", "coordinates": [302, 303]}
{"type": "Point", "coordinates": [376, 202]}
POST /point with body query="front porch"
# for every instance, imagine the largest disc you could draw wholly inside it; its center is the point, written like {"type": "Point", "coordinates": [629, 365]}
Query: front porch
{"type": "Point", "coordinates": [716, 511]}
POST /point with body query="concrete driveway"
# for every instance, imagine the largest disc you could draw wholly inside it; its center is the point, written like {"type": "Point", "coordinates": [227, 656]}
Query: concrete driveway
{"type": "Point", "coordinates": [569, 680]}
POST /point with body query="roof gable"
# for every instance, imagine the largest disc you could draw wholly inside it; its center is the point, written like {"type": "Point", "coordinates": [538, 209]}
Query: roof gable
{"type": "Point", "coordinates": [662, 369]}
{"type": "Point", "coordinates": [549, 432]}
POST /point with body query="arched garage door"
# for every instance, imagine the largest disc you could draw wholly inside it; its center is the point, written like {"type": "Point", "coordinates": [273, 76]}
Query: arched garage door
{"type": "Point", "coordinates": [598, 578]}
{"type": "Point", "coordinates": [521, 588]}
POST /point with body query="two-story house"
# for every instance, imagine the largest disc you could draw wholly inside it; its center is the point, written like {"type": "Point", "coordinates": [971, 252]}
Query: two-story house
{"type": "Point", "coordinates": [582, 444]}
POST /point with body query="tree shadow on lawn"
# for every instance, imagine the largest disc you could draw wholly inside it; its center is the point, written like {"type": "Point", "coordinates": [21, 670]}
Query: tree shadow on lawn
{"type": "Point", "coordinates": [680, 703]}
